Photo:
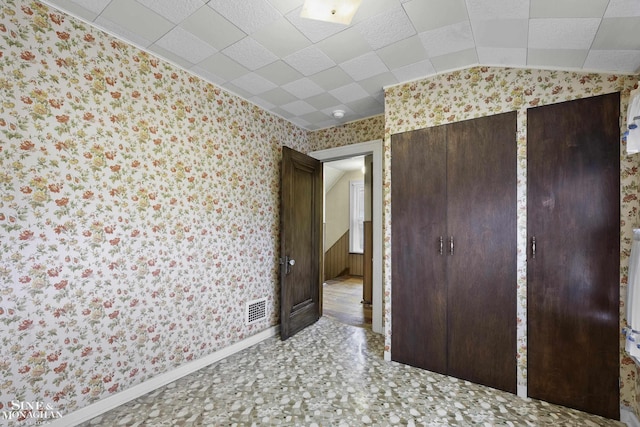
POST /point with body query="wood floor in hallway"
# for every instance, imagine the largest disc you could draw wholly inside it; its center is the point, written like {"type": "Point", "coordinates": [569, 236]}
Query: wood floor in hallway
{"type": "Point", "coordinates": [342, 301]}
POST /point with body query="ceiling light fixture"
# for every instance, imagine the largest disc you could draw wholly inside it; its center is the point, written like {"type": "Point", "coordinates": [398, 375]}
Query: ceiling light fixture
{"type": "Point", "coordinates": [336, 11]}
{"type": "Point", "coordinates": [338, 114]}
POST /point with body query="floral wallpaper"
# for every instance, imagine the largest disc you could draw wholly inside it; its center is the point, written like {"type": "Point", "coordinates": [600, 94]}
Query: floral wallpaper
{"type": "Point", "coordinates": [139, 204]}
{"type": "Point", "coordinates": [483, 91]}
{"type": "Point", "coordinates": [363, 130]}
{"type": "Point", "coordinates": [138, 212]}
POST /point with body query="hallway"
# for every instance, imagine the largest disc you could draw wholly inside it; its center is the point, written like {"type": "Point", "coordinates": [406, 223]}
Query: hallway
{"type": "Point", "coordinates": [342, 301]}
{"type": "Point", "coordinates": [331, 374]}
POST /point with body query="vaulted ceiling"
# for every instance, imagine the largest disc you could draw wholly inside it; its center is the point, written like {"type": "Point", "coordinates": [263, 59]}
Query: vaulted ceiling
{"type": "Point", "coordinates": [303, 70]}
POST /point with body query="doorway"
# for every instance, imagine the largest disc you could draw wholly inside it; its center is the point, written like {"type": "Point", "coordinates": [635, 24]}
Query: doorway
{"type": "Point", "coordinates": [373, 148]}
{"type": "Point", "coordinates": [347, 261]}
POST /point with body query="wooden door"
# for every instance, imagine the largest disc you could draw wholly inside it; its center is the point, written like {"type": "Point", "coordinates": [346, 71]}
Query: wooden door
{"type": "Point", "coordinates": [482, 270]}
{"type": "Point", "coordinates": [573, 212]}
{"type": "Point", "coordinates": [419, 293]}
{"type": "Point", "coordinates": [300, 241]}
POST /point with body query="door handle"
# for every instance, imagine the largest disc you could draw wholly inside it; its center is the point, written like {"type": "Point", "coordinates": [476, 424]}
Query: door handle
{"type": "Point", "coordinates": [289, 262]}
{"type": "Point", "coordinates": [533, 247]}
{"type": "Point", "coordinates": [451, 245]}
{"type": "Point", "coordinates": [441, 245]}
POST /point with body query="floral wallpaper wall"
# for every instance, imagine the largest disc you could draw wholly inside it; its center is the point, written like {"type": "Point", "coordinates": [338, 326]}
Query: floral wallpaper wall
{"type": "Point", "coordinates": [363, 130]}
{"type": "Point", "coordinates": [138, 212]}
{"type": "Point", "coordinates": [483, 91]}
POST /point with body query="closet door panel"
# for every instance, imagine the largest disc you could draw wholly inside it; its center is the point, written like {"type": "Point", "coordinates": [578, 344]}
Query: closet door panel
{"type": "Point", "coordinates": [573, 280]}
{"type": "Point", "coordinates": [418, 190]}
{"type": "Point", "coordinates": [481, 215]}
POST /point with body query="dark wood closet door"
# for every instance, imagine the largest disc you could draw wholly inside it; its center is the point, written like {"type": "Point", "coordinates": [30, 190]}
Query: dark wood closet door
{"type": "Point", "coordinates": [482, 202]}
{"type": "Point", "coordinates": [573, 211]}
{"type": "Point", "coordinates": [418, 190]}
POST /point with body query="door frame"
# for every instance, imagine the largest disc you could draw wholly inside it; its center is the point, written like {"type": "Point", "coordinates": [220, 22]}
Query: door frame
{"type": "Point", "coordinates": [373, 147]}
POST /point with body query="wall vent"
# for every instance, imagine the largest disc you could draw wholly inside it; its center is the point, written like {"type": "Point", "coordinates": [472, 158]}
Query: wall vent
{"type": "Point", "coordinates": [256, 310]}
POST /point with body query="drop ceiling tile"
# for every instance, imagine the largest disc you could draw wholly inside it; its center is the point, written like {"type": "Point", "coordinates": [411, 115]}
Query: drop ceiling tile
{"type": "Point", "coordinates": [370, 8]}
{"type": "Point", "coordinates": [622, 8]}
{"type": "Point", "coordinates": [300, 122]}
{"type": "Point", "coordinates": [286, 6]}
{"type": "Point", "coordinates": [280, 112]}
{"type": "Point", "coordinates": [123, 33]}
{"type": "Point", "coordinates": [314, 117]}
{"type": "Point", "coordinates": [562, 33]}
{"type": "Point", "coordinates": [281, 37]}
{"type": "Point", "coordinates": [452, 38]}
{"type": "Point", "coordinates": [455, 60]}
{"type": "Point", "coordinates": [403, 53]}
{"type": "Point", "coordinates": [303, 88]}
{"type": "Point", "coordinates": [204, 20]}
{"type": "Point", "coordinates": [278, 96]}
{"type": "Point", "coordinates": [313, 30]}
{"type": "Point", "coordinates": [374, 85]}
{"type": "Point", "coordinates": [174, 11]}
{"type": "Point", "coordinates": [431, 14]}
{"type": "Point", "coordinates": [366, 107]}
{"type": "Point", "coordinates": [386, 28]}
{"type": "Point", "coordinates": [208, 76]}
{"type": "Point", "coordinates": [349, 93]}
{"type": "Point", "coordinates": [248, 15]}
{"type": "Point", "coordinates": [186, 45]}
{"type": "Point", "coordinates": [260, 102]}
{"type": "Point", "coordinates": [322, 101]}
{"type": "Point", "coordinates": [170, 56]}
{"type": "Point", "coordinates": [77, 9]}
{"type": "Point", "coordinates": [95, 6]}
{"type": "Point", "coordinates": [253, 83]}
{"type": "Point", "coordinates": [310, 60]}
{"type": "Point", "coordinates": [557, 58]}
{"type": "Point", "coordinates": [279, 72]}
{"type": "Point", "coordinates": [237, 90]}
{"type": "Point", "coordinates": [345, 45]}
{"type": "Point", "coordinates": [223, 67]}
{"type": "Point", "coordinates": [622, 61]}
{"type": "Point", "coordinates": [298, 108]}
{"type": "Point", "coordinates": [332, 78]}
{"type": "Point", "coordinates": [250, 54]}
{"type": "Point", "coordinates": [509, 33]}
{"type": "Point", "coordinates": [364, 66]}
{"type": "Point", "coordinates": [137, 19]}
{"type": "Point", "coordinates": [502, 56]}
{"type": "Point", "coordinates": [568, 8]}
{"type": "Point", "coordinates": [414, 71]}
{"type": "Point", "coordinates": [498, 9]}
{"type": "Point", "coordinates": [614, 33]}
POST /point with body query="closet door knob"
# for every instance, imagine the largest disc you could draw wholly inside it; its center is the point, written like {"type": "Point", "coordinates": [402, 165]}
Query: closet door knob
{"type": "Point", "coordinates": [441, 245]}
{"type": "Point", "coordinates": [451, 245]}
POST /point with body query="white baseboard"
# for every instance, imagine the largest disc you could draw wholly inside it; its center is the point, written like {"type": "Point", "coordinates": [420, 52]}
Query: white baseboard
{"type": "Point", "coordinates": [111, 402]}
{"type": "Point", "coordinates": [628, 417]}
{"type": "Point", "coordinates": [521, 391]}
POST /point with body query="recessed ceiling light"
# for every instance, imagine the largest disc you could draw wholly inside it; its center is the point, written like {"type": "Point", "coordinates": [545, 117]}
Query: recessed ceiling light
{"type": "Point", "coordinates": [336, 11]}
{"type": "Point", "coordinates": [338, 114]}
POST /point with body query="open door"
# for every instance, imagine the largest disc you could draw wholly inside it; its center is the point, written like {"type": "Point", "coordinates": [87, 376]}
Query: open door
{"type": "Point", "coordinates": [300, 241]}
